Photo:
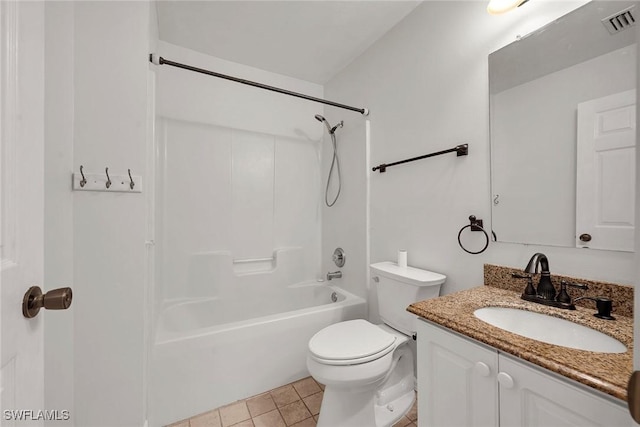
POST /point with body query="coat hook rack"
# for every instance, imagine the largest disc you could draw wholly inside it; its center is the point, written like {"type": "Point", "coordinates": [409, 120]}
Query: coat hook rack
{"type": "Point", "coordinates": [106, 182]}
{"type": "Point", "coordinates": [461, 150]}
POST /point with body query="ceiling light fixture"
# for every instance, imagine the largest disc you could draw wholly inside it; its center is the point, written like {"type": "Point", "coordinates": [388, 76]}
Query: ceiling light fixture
{"type": "Point", "coordinates": [497, 7]}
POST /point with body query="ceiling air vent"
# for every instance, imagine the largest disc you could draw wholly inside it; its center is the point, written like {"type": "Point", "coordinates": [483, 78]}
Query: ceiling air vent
{"type": "Point", "coordinates": [620, 21]}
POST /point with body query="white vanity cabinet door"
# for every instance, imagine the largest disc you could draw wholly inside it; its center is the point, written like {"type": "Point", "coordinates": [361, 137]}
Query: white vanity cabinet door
{"type": "Point", "coordinates": [456, 380]}
{"type": "Point", "coordinates": [537, 399]}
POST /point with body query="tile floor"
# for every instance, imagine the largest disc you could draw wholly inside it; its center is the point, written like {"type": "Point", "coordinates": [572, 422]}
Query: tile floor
{"type": "Point", "coordinates": [293, 405]}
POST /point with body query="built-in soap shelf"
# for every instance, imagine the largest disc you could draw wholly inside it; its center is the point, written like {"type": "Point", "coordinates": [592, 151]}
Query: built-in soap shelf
{"type": "Point", "coordinates": [107, 182]}
{"type": "Point", "coordinates": [254, 265]}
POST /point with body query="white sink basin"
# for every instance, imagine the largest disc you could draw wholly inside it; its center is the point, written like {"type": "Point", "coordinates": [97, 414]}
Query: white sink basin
{"type": "Point", "coordinates": [549, 329]}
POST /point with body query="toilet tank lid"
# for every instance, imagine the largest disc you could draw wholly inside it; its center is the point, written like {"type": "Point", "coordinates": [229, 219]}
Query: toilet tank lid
{"type": "Point", "coordinates": [411, 275]}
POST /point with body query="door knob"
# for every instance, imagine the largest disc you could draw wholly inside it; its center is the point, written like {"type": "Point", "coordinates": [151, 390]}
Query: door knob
{"type": "Point", "coordinates": [633, 396]}
{"type": "Point", "coordinates": [585, 237]}
{"type": "Point", "coordinates": [55, 299]}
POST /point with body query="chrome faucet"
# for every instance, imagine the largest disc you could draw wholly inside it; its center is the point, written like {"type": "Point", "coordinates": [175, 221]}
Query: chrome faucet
{"type": "Point", "coordinates": [334, 275]}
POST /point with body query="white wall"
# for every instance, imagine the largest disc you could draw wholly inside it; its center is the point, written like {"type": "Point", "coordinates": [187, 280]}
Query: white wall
{"type": "Point", "coordinates": [58, 227]}
{"type": "Point", "coordinates": [96, 115]}
{"type": "Point", "coordinates": [426, 83]}
{"type": "Point", "coordinates": [110, 130]}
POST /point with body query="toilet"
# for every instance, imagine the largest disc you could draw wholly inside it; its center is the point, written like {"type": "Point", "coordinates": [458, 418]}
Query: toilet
{"type": "Point", "coordinates": [368, 370]}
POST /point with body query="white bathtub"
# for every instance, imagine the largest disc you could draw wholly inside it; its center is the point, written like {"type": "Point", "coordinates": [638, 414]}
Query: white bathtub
{"type": "Point", "coordinates": [211, 352]}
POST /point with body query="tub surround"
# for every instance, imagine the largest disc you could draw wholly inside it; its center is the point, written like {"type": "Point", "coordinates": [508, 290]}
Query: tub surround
{"type": "Point", "coordinates": [607, 373]}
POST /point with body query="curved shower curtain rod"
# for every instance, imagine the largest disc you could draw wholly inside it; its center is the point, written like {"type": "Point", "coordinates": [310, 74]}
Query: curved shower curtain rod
{"type": "Point", "coordinates": [158, 60]}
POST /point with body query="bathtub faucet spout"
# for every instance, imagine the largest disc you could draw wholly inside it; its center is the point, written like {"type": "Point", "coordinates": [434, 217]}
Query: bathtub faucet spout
{"type": "Point", "coordinates": [334, 275]}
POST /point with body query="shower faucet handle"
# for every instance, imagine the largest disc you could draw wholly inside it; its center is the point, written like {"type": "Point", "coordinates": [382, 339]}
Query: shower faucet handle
{"type": "Point", "coordinates": [339, 257]}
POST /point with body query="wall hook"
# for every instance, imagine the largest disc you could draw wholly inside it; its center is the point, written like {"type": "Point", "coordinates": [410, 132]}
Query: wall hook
{"type": "Point", "coordinates": [83, 182]}
{"type": "Point", "coordinates": [131, 184]}
{"type": "Point", "coordinates": [108, 183]}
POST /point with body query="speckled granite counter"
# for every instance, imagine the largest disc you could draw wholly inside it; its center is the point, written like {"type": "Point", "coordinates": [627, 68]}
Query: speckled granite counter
{"type": "Point", "coordinates": [608, 373]}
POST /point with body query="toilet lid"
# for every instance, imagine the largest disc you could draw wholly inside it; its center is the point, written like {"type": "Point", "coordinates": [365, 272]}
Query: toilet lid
{"type": "Point", "coordinates": [353, 339]}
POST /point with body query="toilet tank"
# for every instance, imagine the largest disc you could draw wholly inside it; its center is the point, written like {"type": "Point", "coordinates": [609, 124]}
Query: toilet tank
{"type": "Point", "coordinates": [399, 287]}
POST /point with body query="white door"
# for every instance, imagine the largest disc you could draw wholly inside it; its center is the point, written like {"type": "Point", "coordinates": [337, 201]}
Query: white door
{"type": "Point", "coordinates": [529, 397]}
{"type": "Point", "coordinates": [605, 179]}
{"type": "Point", "coordinates": [456, 380]}
{"type": "Point", "coordinates": [21, 209]}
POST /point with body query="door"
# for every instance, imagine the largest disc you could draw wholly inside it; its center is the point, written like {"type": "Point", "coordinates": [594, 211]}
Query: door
{"type": "Point", "coordinates": [605, 178]}
{"type": "Point", "coordinates": [21, 209]}
{"type": "Point", "coordinates": [529, 397]}
{"type": "Point", "coordinates": [456, 380]}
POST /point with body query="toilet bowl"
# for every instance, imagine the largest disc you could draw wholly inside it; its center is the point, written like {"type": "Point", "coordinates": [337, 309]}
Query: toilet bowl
{"type": "Point", "coordinates": [367, 369]}
{"type": "Point", "coordinates": [364, 385]}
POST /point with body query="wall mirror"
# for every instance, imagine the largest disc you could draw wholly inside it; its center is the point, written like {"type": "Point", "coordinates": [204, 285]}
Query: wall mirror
{"type": "Point", "coordinates": [562, 110]}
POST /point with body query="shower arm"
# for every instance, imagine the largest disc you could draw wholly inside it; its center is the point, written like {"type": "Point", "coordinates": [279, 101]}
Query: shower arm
{"type": "Point", "coordinates": [461, 150]}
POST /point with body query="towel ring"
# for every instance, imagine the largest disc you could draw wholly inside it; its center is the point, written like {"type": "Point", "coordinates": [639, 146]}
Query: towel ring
{"type": "Point", "coordinates": [476, 225]}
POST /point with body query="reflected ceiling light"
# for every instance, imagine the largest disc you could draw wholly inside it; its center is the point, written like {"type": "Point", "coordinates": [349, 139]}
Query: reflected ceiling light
{"type": "Point", "coordinates": [496, 7]}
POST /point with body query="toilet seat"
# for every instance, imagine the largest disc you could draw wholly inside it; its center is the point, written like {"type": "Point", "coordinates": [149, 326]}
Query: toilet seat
{"type": "Point", "coordinates": [350, 343]}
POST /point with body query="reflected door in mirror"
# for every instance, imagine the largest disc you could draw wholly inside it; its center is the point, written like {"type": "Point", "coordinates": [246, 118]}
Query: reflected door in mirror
{"type": "Point", "coordinates": [605, 185]}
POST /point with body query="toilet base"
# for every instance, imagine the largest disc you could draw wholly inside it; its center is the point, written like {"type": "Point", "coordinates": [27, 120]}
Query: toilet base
{"type": "Point", "coordinates": [374, 405]}
{"type": "Point", "coordinates": [391, 413]}
{"type": "Point", "coordinates": [349, 409]}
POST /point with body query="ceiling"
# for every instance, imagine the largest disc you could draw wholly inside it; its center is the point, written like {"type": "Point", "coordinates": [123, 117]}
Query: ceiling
{"type": "Point", "coordinates": [308, 40]}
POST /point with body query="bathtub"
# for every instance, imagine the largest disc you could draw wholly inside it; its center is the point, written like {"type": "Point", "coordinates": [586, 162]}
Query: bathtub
{"type": "Point", "coordinates": [211, 352]}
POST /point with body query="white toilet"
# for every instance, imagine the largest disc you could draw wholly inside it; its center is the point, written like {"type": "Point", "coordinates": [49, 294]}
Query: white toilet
{"type": "Point", "coordinates": [367, 369]}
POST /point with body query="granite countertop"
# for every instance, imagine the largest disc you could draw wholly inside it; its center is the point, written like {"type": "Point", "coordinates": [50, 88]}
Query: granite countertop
{"type": "Point", "coordinates": [608, 373]}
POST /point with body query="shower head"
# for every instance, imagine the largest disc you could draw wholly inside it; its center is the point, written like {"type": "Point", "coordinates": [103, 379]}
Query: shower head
{"type": "Point", "coordinates": [339, 125]}
{"type": "Point", "coordinates": [326, 123]}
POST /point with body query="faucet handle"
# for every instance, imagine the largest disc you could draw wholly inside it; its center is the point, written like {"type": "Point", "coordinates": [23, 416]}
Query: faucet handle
{"type": "Point", "coordinates": [565, 283]}
{"type": "Point", "coordinates": [529, 290]}
{"type": "Point", "coordinates": [563, 296]}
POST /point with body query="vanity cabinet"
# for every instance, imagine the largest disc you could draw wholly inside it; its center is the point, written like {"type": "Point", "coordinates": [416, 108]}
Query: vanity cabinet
{"type": "Point", "coordinates": [456, 380]}
{"type": "Point", "coordinates": [465, 383]}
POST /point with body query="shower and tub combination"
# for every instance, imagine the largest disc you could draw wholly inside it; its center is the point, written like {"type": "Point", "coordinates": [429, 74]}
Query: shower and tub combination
{"type": "Point", "coordinates": [238, 285]}
{"type": "Point", "coordinates": [211, 352]}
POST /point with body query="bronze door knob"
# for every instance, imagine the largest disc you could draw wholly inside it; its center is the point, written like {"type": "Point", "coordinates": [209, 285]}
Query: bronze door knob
{"type": "Point", "coordinates": [55, 299]}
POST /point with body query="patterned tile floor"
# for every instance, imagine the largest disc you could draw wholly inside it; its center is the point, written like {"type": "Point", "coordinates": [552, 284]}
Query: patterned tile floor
{"type": "Point", "coordinates": [293, 405]}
